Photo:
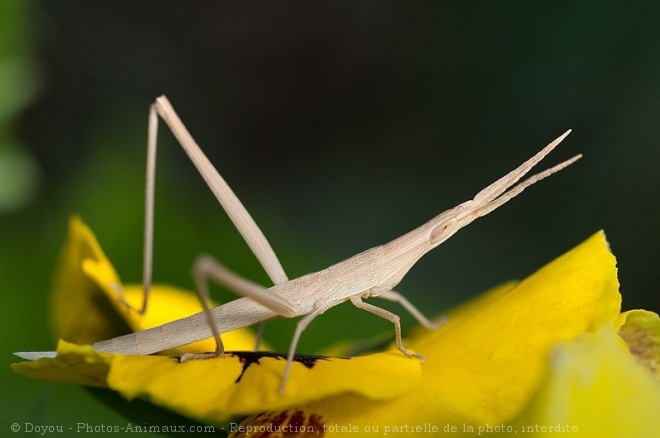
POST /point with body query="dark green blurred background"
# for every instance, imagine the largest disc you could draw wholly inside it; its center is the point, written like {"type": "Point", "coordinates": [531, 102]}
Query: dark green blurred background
{"type": "Point", "coordinates": [340, 126]}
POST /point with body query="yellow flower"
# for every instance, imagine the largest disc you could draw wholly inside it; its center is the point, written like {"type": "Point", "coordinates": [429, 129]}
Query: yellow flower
{"type": "Point", "coordinates": [598, 388]}
{"type": "Point", "coordinates": [495, 363]}
{"type": "Point", "coordinates": [485, 364]}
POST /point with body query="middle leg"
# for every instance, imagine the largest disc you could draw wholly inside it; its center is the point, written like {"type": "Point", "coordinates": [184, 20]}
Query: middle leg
{"type": "Point", "coordinates": [394, 319]}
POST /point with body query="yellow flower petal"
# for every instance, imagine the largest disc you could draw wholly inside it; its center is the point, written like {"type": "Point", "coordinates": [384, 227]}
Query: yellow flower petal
{"type": "Point", "coordinates": [80, 312]}
{"type": "Point", "coordinates": [87, 307]}
{"type": "Point", "coordinates": [596, 388]}
{"type": "Point", "coordinates": [74, 364]}
{"type": "Point", "coordinates": [499, 351]}
{"type": "Point", "coordinates": [484, 365]}
{"type": "Point", "coordinates": [641, 331]}
{"type": "Point", "coordinates": [239, 384]}
{"type": "Point", "coordinates": [219, 389]}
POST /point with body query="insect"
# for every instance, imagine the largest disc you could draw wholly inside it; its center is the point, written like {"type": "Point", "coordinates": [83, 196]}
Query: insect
{"type": "Point", "coordinates": [372, 273]}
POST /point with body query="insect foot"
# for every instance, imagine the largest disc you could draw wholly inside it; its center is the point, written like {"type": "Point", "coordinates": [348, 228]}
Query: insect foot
{"type": "Point", "coordinates": [442, 320]}
{"type": "Point", "coordinates": [122, 298]}
{"type": "Point", "coordinates": [199, 356]}
{"type": "Point", "coordinates": [409, 354]}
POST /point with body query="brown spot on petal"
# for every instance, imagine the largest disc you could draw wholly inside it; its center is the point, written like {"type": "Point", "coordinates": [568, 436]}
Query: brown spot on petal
{"type": "Point", "coordinates": [643, 345]}
{"type": "Point", "coordinates": [289, 423]}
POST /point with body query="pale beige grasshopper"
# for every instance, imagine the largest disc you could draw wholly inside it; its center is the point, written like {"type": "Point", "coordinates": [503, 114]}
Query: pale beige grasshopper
{"type": "Point", "coordinates": [372, 273]}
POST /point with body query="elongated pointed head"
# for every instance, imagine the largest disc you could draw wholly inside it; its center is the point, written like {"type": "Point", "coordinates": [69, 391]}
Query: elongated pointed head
{"type": "Point", "coordinates": [402, 253]}
{"type": "Point", "coordinates": [495, 195]}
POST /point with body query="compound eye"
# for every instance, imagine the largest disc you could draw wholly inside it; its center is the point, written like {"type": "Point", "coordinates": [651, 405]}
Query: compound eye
{"type": "Point", "coordinates": [442, 231]}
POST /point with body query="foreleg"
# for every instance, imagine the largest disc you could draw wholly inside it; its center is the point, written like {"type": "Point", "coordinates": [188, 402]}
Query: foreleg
{"type": "Point", "coordinates": [300, 327]}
